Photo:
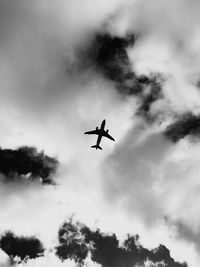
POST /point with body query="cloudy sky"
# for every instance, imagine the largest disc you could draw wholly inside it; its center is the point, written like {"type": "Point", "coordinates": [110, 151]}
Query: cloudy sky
{"type": "Point", "coordinates": [64, 67]}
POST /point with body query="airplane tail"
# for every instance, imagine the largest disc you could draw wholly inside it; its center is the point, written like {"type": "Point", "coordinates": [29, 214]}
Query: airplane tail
{"type": "Point", "coordinates": [97, 147]}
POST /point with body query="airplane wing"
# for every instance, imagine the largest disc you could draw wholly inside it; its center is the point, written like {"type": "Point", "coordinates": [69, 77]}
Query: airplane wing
{"type": "Point", "coordinates": [92, 132]}
{"type": "Point", "coordinates": [108, 136]}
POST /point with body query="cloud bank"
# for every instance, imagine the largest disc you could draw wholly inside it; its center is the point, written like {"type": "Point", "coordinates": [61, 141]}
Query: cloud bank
{"type": "Point", "coordinates": [77, 240]}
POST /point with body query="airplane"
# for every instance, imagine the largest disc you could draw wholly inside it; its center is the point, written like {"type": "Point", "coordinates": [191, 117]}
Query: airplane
{"type": "Point", "coordinates": [100, 132]}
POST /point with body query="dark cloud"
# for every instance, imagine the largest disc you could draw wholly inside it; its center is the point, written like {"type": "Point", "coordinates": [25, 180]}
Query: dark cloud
{"type": "Point", "coordinates": [27, 163]}
{"type": "Point", "coordinates": [22, 247]}
{"type": "Point", "coordinates": [151, 92]}
{"type": "Point", "coordinates": [109, 55]}
{"type": "Point", "coordinates": [72, 243]}
{"type": "Point", "coordinates": [76, 240]}
{"type": "Point", "coordinates": [111, 59]}
{"type": "Point", "coordinates": [187, 124]}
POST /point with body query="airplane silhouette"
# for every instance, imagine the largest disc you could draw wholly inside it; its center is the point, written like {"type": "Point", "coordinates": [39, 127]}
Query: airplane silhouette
{"type": "Point", "coordinates": [100, 132]}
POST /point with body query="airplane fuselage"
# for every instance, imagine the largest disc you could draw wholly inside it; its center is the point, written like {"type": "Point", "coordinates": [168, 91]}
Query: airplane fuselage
{"type": "Point", "coordinates": [103, 125]}
{"type": "Point", "coordinates": [101, 132]}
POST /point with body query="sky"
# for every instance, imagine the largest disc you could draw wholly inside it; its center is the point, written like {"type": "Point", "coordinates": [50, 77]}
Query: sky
{"type": "Point", "coordinates": [64, 67]}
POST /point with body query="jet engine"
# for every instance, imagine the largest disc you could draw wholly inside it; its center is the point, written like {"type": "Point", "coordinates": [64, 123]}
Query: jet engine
{"type": "Point", "coordinates": [107, 130]}
{"type": "Point", "coordinates": [97, 128]}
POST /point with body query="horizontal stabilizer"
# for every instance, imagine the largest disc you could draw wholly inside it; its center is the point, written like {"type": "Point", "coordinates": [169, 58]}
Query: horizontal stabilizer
{"type": "Point", "coordinates": [97, 147]}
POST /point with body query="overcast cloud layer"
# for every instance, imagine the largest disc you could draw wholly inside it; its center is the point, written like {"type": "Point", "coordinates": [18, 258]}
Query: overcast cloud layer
{"type": "Point", "coordinates": [64, 67]}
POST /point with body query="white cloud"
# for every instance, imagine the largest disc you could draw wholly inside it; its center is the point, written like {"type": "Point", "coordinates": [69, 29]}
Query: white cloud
{"type": "Point", "coordinates": [47, 102]}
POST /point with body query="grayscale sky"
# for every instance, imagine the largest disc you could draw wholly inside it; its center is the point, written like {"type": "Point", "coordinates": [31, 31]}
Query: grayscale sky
{"type": "Point", "coordinates": [53, 89]}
